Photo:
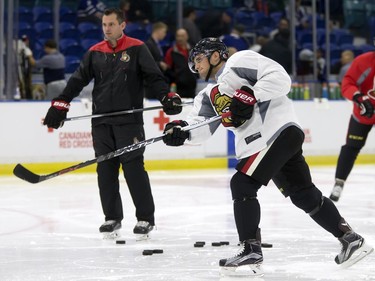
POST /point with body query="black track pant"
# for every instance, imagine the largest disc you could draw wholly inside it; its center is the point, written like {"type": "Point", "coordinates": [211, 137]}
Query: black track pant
{"type": "Point", "coordinates": [355, 140]}
{"type": "Point", "coordinates": [284, 163]}
{"type": "Point", "coordinates": [108, 138]}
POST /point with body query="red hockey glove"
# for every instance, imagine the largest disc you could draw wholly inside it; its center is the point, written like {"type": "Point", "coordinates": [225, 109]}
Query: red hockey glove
{"type": "Point", "coordinates": [171, 104]}
{"type": "Point", "coordinates": [364, 103]}
{"type": "Point", "coordinates": [242, 106]}
{"type": "Point", "coordinates": [174, 135]}
{"type": "Point", "coordinates": [56, 114]}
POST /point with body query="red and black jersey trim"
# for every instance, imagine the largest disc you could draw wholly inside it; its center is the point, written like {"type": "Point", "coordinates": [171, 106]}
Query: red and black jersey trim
{"type": "Point", "coordinates": [123, 43]}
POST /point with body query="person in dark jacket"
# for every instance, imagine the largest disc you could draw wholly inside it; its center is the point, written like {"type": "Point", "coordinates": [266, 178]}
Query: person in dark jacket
{"type": "Point", "coordinates": [120, 65]}
{"type": "Point", "coordinates": [159, 31]}
{"type": "Point", "coordinates": [178, 71]}
{"type": "Point", "coordinates": [279, 49]}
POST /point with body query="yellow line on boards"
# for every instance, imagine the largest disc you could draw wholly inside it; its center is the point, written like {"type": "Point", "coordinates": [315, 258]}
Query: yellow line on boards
{"type": "Point", "coordinates": [174, 164]}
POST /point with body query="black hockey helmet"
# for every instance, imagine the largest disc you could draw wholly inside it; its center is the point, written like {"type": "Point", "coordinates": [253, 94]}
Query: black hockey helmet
{"type": "Point", "coordinates": [207, 46]}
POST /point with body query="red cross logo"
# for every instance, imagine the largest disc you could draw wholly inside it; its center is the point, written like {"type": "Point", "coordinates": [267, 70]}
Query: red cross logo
{"type": "Point", "coordinates": [161, 120]}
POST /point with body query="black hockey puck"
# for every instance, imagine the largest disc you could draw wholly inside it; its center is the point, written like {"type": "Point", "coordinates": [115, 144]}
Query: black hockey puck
{"type": "Point", "coordinates": [224, 242]}
{"type": "Point", "coordinates": [266, 245]}
{"type": "Point", "coordinates": [158, 251]}
{"type": "Point", "coordinates": [120, 242]}
{"type": "Point", "coordinates": [216, 244]}
{"type": "Point", "coordinates": [147, 252]}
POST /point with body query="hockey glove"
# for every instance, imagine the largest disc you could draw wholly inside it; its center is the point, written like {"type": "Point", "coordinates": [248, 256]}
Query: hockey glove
{"type": "Point", "coordinates": [56, 114]}
{"type": "Point", "coordinates": [174, 135]}
{"type": "Point", "coordinates": [242, 106]}
{"type": "Point", "coordinates": [365, 105]}
{"type": "Point", "coordinates": [171, 104]}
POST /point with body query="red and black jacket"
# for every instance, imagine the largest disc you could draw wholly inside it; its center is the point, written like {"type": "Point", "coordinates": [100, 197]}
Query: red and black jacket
{"type": "Point", "coordinates": [120, 75]}
{"type": "Point", "coordinates": [360, 78]}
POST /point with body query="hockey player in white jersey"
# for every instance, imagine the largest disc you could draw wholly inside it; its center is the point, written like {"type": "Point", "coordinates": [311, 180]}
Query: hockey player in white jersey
{"type": "Point", "coordinates": [268, 143]}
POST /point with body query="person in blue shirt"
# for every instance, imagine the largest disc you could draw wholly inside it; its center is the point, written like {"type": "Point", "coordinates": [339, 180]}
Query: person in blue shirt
{"type": "Point", "coordinates": [53, 65]}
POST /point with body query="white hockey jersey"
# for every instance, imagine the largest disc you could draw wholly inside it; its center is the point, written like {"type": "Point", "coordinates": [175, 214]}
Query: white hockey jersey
{"type": "Point", "coordinates": [273, 111]}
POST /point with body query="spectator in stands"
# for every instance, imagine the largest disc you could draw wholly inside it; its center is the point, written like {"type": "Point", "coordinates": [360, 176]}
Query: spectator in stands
{"type": "Point", "coordinates": [305, 62]}
{"type": "Point", "coordinates": [302, 19]}
{"type": "Point", "coordinates": [90, 11]}
{"type": "Point", "coordinates": [24, 73]}
{"type": "Point", "coordinates": [138, 11]}
{"type": "Point", "coordinates": [178, 70]}
{"type": "Point", "coordinates": [305, 66]}
{"type": "Point", "coordinates": [214, 23]}
{"type": "Point", "coordinates": [188, 23]}
{"type": "Point", "coordinates": [235, 38]}
{"type": "Point", "coordinates": [282, 25]}
{"type": "Point", "coordinates": [260, 40]}
{"type": "Point", "coordinates": [124, 6]}
{"type": "Point", "coordinates": [347, 56]}
{"type": "Point", "coordinates": [53, 65]}
{"type": "Point", "coordinates": [279, 49]}
{"type": "Point", "coordinates": [159, 31]}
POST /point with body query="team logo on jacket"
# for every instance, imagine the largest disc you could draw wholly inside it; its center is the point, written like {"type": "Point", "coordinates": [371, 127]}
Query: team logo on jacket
{"type": "Point", "coordinates": [221, 103]}
{"type": "Point", "coordinates": [125, 57]}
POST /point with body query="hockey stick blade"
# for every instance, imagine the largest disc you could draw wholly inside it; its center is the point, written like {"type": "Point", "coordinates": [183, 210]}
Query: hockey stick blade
{"type": "Point", "coordinates": [25, 174]}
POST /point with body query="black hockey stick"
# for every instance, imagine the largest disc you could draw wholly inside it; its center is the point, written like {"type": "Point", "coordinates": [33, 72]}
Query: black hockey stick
{"type": "Point", "coordinates": [118, 112]}
{"type": "Point", "coordinates": [25, 174]}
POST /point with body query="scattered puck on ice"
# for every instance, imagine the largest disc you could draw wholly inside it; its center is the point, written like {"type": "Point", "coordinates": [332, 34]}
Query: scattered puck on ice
{"type": "Point", "coordinates": [199, 244]}
{"type": "Point", "coordinates": [267, 245]}
{"type": "Point", "coordinates": [224, 242]}
{"type": "Point", "coordinates": [157, 251]}
{"type": "Point", "coordinates": [216, 244]}
{"type": "Point", "coordinates": [120, 242]}
{"type": "Point", "coordinates": [147, 252]}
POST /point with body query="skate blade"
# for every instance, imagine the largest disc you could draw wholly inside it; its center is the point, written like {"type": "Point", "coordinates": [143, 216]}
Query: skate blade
{"type": "Point", "coordinates": [364, 251]}
{"type": "Point", "coordinates": [251, 270]}
{"type": "Point", "coordinates": [111, 235]}
{"type": "Point", "coordinates": [142, 237]}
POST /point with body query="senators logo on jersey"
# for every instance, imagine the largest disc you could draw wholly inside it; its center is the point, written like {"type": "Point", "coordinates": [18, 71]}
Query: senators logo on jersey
{"type": "Point", "coordinates": [221, 103]}
{"type": "Point", "coordinates": [125, 57]}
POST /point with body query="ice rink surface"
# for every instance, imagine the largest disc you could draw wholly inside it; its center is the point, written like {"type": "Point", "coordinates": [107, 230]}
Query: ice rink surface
{"type": "Point", "coordinates": [49, 231]}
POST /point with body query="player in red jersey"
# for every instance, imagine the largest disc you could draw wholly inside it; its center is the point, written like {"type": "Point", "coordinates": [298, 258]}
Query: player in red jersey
{"type": "Point", "coordinates": [358, 86]}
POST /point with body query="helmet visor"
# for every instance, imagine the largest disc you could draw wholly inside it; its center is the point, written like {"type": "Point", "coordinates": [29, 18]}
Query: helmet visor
{"type": "Point", "coordinates": [197, 58]}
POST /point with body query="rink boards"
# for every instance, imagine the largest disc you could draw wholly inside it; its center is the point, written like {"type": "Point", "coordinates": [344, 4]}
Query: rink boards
{"type": "Point", "coordinates": [25, 140]}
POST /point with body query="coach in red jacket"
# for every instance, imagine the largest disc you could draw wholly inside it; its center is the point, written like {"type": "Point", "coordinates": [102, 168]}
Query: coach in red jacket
{"type": "Point", "coordinates": [120, 67]}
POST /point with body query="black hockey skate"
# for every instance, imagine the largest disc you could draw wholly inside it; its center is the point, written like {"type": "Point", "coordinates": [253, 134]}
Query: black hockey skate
{"type": "Point", "coordinates": [142, 230]}
{"type": "Point", "coordinates": [110, 229]}
{"type": "Point", "coordinates": [337, 190]}
{"type": "Point", "coordinates": [247, 262]}
{"type": "Point", "coordinates": [353, 249]}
